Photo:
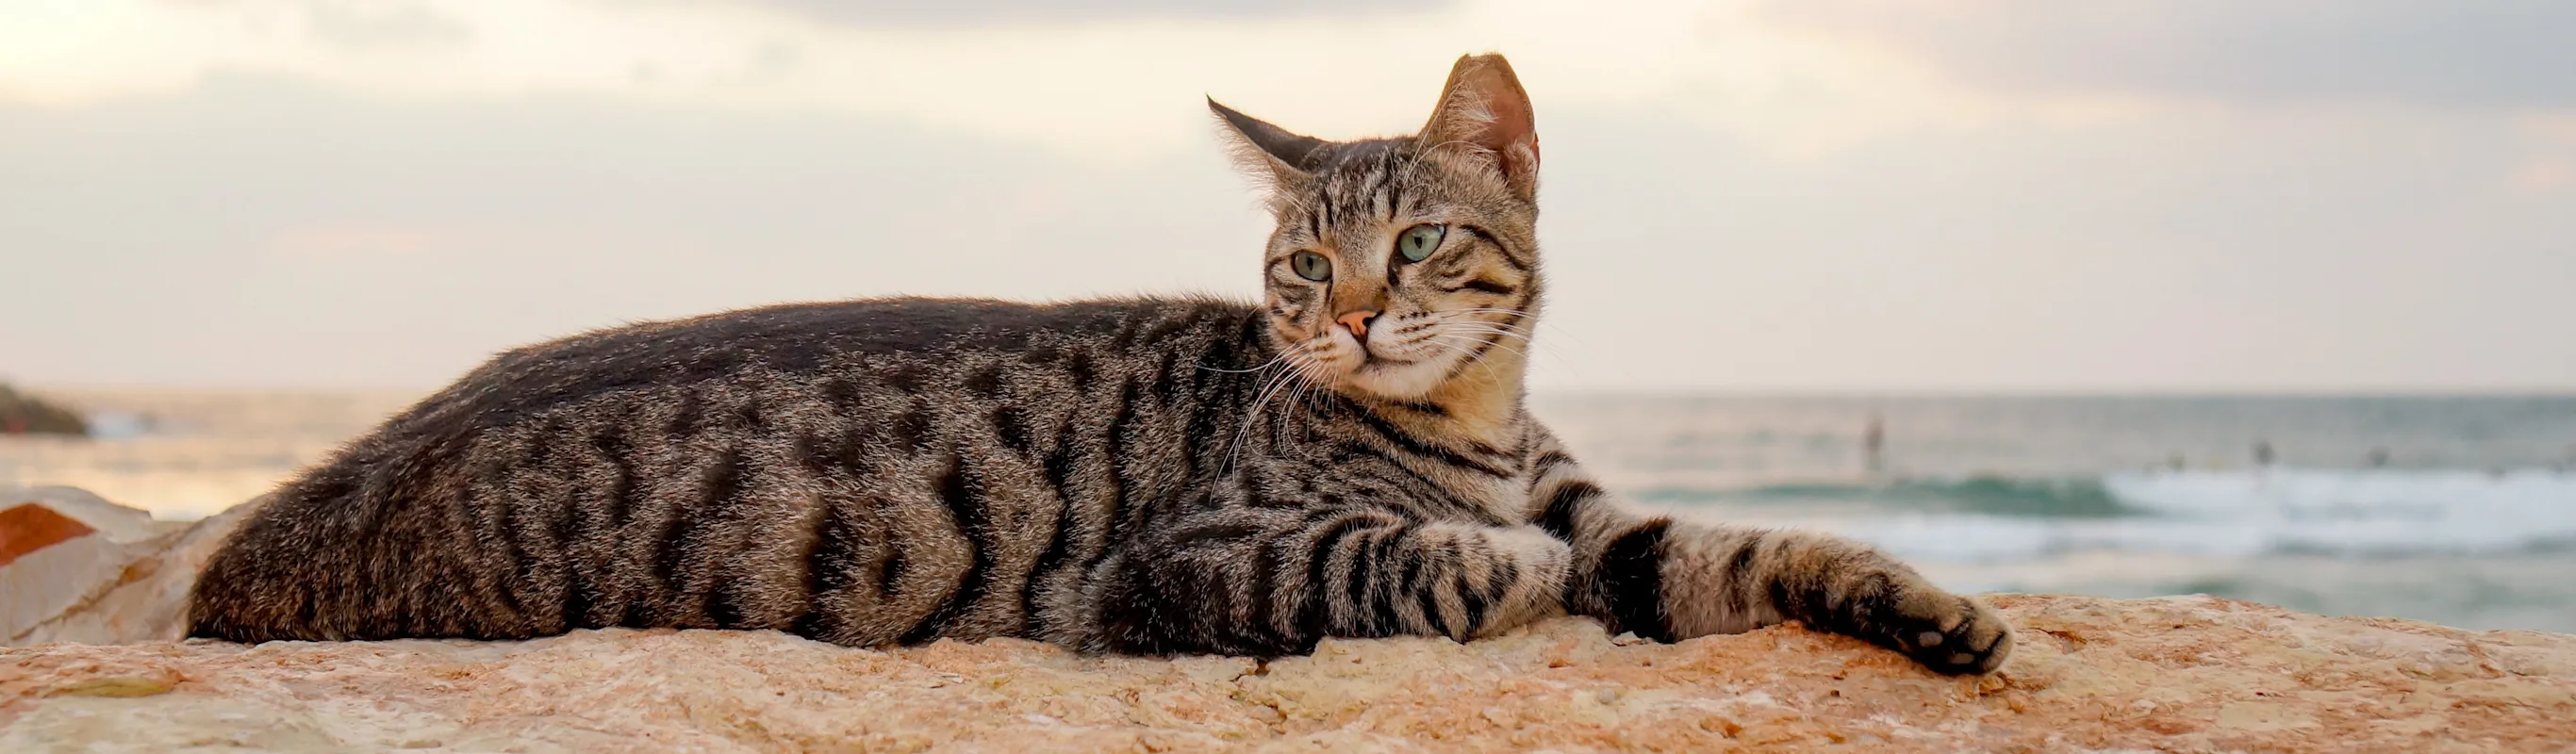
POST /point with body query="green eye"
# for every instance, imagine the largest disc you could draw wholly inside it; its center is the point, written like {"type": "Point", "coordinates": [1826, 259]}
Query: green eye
{"type": "Point", "coordinates": [1416, 243]}
{"type": "Point", "coordinates": [1311, 266]}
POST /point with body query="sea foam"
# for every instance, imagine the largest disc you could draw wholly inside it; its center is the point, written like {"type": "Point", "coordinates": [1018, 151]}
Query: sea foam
{"type": "Point", "coordinates": [2361, 513]}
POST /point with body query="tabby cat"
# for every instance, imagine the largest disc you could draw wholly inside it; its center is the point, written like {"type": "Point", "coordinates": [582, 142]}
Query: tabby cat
{"type": "Point", "coordinates": [1349, 458]}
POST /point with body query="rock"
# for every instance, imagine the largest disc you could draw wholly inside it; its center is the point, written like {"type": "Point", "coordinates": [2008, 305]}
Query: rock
{"type": "Point", "coordinates": [2172, 674]}
{"type": "Point", "coordinates": [29, 527]}
{"type": "Point", "coordinates": [24, 414]}
{"type": "Point", "coordinates": [2187, 674]}
{"type": "Point", "coordinates": [121, 576]}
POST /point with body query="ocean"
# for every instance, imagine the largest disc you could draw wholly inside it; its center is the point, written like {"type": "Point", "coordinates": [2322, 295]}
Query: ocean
{"type": "Point", "coordinates": [2456, 510]}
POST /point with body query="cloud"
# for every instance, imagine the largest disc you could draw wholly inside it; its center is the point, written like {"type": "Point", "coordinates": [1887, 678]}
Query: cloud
{"type": "Point", "coordinates": [266, 230]}
{"type": "Point", "coordinates": [2276, 251]}
{"type": "Point", "coordinates": [269, 230]}
{"type": "Point", "coordinates": [2464, 53]}
{"type": "Point", "coordinates": [1113, 87]}
{"type": "Point", "coordinates": [1108, 89]}
{"type": "Point", "coordinates": [1030, 12]}
{"type": "Point", "coordinates": [382, 25]}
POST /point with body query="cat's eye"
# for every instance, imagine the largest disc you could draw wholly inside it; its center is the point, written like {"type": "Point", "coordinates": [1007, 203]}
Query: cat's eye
{"type": "Point", "coordinates": [1416, 243]}
{"type": "Point", "coordinates": [1311, 266]}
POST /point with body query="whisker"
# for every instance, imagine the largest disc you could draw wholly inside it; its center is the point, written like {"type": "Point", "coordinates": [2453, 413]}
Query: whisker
{"type": "Point", "coordinates": [1264, 365]}
{"type": "Point", "coordinates": [1269, 386]}
{"type": "Point", "coordinates": [1488, 326]}
{"type": "Point", "coordinates": [1468, 353]}
{"type": "Point", "coordinates": [1464, 318]}
{"type": "Point", "coordinates": [1530, 329]}
{"type": "Point", "coordinates": [1448, 339]}
{"type": "Point", "coordinates": [1524, 336]}
{"type": "Point", "coordinates": [1297, 399]}
{"type": "Point", "coordinates": [1505, 334]}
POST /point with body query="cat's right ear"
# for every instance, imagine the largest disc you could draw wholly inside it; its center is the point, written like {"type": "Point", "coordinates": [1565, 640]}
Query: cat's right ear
{"type": "Point", "coordinates": [1265, 150]}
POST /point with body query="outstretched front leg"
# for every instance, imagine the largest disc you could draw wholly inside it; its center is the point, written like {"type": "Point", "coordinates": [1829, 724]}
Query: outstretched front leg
{"type": "Point", "coordinates": [1667, 580]}
{"type": "Point", "coordinates": [1268, 581]}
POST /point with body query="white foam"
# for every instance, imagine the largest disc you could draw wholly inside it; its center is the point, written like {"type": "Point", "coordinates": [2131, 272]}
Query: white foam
{"type": "Point", "coordinates": [2374, 511]}
{"type": "Point", "coordinates": [2247, 513]}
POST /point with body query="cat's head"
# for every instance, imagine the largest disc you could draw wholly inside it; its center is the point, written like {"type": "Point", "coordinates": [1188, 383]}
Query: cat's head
{"type": "Point", "coordinates": [1404, 264]}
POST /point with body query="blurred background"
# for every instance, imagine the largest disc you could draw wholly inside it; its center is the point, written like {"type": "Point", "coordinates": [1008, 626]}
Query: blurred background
{"type": "Point", "coordinates": [2270, 299]}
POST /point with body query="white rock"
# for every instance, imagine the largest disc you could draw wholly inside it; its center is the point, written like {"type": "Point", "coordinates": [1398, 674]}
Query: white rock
{"type": "Point", "coordinates": [124, 582]}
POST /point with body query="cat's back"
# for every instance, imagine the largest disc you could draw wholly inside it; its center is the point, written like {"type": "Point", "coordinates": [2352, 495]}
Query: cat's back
{"type": "Point", "coordinates": [831, 338]}
{"type": "Point", "coordinates": [829, 468]}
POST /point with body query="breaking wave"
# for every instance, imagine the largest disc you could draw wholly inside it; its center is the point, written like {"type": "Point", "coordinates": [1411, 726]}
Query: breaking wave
{"type": "Point", "coordinates": [2361, 513]}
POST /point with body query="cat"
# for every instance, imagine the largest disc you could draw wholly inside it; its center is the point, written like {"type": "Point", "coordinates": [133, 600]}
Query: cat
{"type": "Point", "coordinates": [1350, 457]}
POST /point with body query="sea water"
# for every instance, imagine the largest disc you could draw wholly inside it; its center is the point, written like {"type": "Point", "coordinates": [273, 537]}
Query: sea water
{"type": "Point", "coordinates": [2457, 510]}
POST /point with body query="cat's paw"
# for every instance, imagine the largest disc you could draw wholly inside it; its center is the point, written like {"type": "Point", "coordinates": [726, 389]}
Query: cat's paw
{"type": "Point", "coordinates": [1950, 633]}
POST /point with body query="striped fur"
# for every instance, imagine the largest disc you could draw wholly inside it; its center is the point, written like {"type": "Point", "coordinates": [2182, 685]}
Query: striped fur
{"type": "Point", "coordinates": [1349, 457]}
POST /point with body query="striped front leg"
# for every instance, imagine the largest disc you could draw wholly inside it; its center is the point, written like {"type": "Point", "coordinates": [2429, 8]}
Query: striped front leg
{"type": "Point", "coordinates": [1668, 580]}
{"type": "Point", "coordinates": [1273, 581]}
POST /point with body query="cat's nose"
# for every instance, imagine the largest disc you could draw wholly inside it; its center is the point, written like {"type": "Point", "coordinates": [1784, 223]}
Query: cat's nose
{"type": "Point", "coordinates": [1357, 323]}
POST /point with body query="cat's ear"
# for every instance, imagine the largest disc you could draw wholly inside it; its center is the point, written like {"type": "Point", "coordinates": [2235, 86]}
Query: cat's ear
{"type": "Point", "coordinates": [1264, 149]}
{"type": "Point", "coordinates": [1483, 109]}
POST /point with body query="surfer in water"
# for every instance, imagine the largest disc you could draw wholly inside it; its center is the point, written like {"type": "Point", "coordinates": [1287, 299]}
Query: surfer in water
{"type": "Point", "coordinates": [1873, 445]}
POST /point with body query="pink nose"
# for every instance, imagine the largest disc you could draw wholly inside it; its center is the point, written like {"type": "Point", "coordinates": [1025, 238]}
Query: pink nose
{"type": "Point", "coordinates": [1357, 323]}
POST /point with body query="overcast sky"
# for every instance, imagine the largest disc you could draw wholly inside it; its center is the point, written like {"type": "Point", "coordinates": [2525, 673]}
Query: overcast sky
{"type": "Point", "coordinates": [1985, 195]}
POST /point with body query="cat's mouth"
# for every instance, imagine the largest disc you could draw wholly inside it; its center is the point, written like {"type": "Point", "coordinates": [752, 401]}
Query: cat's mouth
{"type": "Point", "coordinates": [1355, 361]}
{"type": "Point", "coordinates": [1365, 355]}
{"type": "Point", "coordinates": [1388, 366]}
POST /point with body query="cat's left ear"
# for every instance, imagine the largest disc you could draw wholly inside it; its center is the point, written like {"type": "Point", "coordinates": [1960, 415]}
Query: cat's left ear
{"type": "Point", "coordinates": [1484, 109]}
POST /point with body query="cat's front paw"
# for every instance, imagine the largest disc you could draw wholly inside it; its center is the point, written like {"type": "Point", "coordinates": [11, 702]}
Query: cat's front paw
{"type": "Point", "coordinates": [1950, 633]}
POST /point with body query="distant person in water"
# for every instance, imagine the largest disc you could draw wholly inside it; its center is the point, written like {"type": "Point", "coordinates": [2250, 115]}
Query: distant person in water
{"type": "Point", "coordinates": [2378, 458]}
{"type": "Point", "coordinates": [2262, 453]}
{"type": "Point", "coordinates": [1873, 445]}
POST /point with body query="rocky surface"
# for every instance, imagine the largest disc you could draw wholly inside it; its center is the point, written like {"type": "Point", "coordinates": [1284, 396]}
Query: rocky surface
{"type": "Point", "coordinates": [2175, 674]}
{"type": "Point", "coordinates": [21, 413]}
{"type": "Point", "coordinates": [121, 577]}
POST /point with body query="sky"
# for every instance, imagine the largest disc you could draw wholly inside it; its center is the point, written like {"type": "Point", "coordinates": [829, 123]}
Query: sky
{"type": "Point", "coordinates": [1739, 195]}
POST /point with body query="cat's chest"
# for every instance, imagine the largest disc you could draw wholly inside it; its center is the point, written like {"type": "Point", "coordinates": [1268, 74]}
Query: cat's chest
{"type": "Point", "coordinates": [1505, 499]}
{"type": "Point", "coordinates": [1433, 490]}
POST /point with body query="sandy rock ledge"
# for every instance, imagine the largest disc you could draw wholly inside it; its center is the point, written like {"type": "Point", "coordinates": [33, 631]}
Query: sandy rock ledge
{"type": "Point", "coordinates": [96, 670]}
{"type": "Point", "coordinates": [2183, 674]}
